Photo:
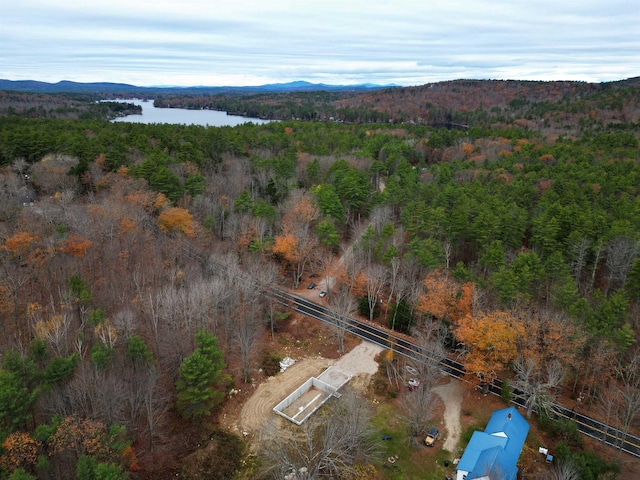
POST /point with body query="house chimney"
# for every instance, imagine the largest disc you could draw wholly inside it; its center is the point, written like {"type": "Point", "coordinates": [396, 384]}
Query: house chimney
{"type": "Point", "coordinates": [509, 417]}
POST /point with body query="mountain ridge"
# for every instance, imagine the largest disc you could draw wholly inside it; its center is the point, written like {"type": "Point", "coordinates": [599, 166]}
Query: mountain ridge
{"type": "Point", "coordinates": [68, 86]}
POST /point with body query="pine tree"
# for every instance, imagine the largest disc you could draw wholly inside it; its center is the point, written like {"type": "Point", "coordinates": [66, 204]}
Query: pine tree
{"type": "Point", "coordinates": [199, 376]}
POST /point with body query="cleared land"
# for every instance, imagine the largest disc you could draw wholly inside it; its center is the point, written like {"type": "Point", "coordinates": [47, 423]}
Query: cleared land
{"type": "Point", "coordinates": [359, 362]}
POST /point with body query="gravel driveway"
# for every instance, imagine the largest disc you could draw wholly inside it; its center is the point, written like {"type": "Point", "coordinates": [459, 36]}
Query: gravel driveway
{"type": "Point", "coordinates": [451, 395]}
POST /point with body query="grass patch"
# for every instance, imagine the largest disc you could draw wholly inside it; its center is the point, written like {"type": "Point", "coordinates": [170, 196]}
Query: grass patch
{"type": "Point", "coordinates": [466, 435]}
{"type": "Point", "coordinates": [409, 458]}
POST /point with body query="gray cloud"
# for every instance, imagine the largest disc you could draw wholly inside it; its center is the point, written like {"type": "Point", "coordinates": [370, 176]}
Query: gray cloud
{"type": "Point", "coordinates": [252, 42]}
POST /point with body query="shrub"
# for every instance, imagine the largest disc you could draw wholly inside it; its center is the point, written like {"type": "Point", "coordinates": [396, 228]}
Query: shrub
{"type": "Point", "coordinates": [505, 392]}
{"type": "Point", "coordinates": [364, 309]}
{"type": "Point", "coordinates": [589, 464]}
{"type": "Point", "coordinates": [563, 429]}
{"type": "Point", "coordinates": [270, 363]}
{"type": "Point", "coordinates": [400, 317]}
{"type": "Point", "coordinates": [465, 438]}
{"type": "Point", "coordinates": [220, 459]}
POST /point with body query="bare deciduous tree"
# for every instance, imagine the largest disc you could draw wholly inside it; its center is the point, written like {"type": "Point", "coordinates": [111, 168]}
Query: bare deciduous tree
{"type": "Point", "coordinates": [327, 445]}
{"type": "Point", "coordinates": [124, 321]}
{"type": "Point", "coordinates": [628, 374]}
{"type": "Point", "coordinates": [563, 470]}
{"type": "Point", "coordinates": [375, 281]}
{"type": "Point", "coordinates": [579, 254]}
{"type": "Point", "coordinates": [91, 393]}
{"type": "Point", "coordinates": [265, 273]}
{"type": "Point", "coordinates": [540, 382]}
{"type": "Point", "coordinates": [620, 255]}
{"type": "Point", "coordinates": [156, 405]}
{"type": "Point", "coordinates": [417, 404]}
{"type": "Point", "coordinates": [344, 305]}
{"type": "Point", "coordinates": [431, 336]}
{"type": "Point", "coordinates": [51, 174]}
{"type": "Point", "coordinates": [11, 191]}
{"type": "Point", "coordinates": [417, 407]}
{"type": "Point", "coordinates": [247, 330]}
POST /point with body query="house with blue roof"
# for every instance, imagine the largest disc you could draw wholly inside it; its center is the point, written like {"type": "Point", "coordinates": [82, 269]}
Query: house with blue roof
{"type": "Point", "coordinates": [493, 454]}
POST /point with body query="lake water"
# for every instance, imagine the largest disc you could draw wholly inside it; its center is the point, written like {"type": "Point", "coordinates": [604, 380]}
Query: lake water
{"type": "Point", "coordinates": [212, 118]}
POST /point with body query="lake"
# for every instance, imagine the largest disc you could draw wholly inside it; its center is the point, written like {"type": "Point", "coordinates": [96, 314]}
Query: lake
{"type": "Point", "coordinates": [212, 118]}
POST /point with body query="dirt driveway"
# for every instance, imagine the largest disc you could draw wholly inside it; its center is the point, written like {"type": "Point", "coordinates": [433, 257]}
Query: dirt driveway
{"type": "Point", "coordinates": [359, 363]}
{"type": "Point", "coordinates": [451, 394]}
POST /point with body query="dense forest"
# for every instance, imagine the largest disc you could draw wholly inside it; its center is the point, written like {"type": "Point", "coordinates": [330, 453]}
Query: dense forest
{"type": "Point", "coordinates": [512, 243]}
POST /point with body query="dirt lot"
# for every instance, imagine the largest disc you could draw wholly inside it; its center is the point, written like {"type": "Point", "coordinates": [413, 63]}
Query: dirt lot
{"type": "Point", "coordinates": [359, 363]}
{"type": "Point", "coordinates": [268, 394]}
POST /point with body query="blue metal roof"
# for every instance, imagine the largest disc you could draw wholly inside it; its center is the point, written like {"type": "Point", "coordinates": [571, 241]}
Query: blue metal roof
{"type": "Point", "coordinates": [480, 441]}
{"type": "Point", "coordinates": [498, 448]}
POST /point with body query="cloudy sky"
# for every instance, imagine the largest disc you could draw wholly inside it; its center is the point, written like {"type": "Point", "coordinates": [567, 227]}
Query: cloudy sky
{"type": "Point", "coordinates": [253, 42]}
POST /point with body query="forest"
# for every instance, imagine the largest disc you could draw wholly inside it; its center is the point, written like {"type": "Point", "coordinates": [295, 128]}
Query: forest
{"type": "Point", "coordinates": [512, 244]}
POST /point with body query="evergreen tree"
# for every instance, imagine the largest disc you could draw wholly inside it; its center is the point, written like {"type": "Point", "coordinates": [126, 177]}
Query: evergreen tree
{"type": "Point", "coordinates": [199, 376]}
{"type": "Point", "coordinates": [401, 317]}
{"type": "Point", "coordinates": [328, 234]}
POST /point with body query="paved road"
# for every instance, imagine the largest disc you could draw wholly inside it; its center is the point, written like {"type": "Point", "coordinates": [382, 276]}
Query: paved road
{"type": "Point", "coordinates": [607, 434]}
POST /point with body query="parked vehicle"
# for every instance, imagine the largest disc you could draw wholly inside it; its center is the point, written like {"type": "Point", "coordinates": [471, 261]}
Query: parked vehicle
{"type": "Point", "coordinates": [432, 436]}
{"type": "Point", "coordinates": [412, 384]}
{"type": "Point", "coordinates": [322, 293]}
{"type": "Point", "coordinates": [311, 286]}
{"type": "Point", "coordinates": [411, 370]}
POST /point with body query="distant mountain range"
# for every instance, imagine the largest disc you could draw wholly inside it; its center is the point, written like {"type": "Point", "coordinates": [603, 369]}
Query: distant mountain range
{"type": "Point", "coordinates": [66, 86]}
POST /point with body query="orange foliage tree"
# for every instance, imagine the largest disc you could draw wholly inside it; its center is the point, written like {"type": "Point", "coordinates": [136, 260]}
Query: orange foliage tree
{"type": "Point", "coordinates": [297, 250]}
{"type": "Point", "coordinates": [176, 219]}
{"type": "Point", "coordinates": [444, 298]}
{"type": "Point", "coordinates": [303, 210]}
{"type": "Point", "coordinates": [77, 436]}
{"type": "Point", "coordinates": [76, 246]}
{"type": "Point", "coordinates": [19, 244]}
{"type": "Point", "coordinates": [491, 341]}
{"type": "Point", "coordinates": [440, 294]}
{"type": "Point", "coordinates": [6, 303]}
{"type": "Point", "coordinates": [297, 244]}
{"type": "Point", "coordinates": [285, 247]}
{"type": "Point", "coordinates": [107, 333]}
{"type": "Point", "coordinates": [55, 332]}
{"type": "Point", "coordinates": [20, 451]}
{"type": "Point", "coordinates": [467, 149]}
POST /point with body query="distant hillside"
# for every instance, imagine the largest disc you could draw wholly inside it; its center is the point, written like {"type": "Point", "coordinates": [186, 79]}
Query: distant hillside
{"type": "Point", "coordinates": [552, 108]}
{"type": "Point", "coordinates": [64, 87]}
{"type": "Point", "coordinates": [123, 88]}
{"type": "Point", "coordinates": [457, 103]}
{"type": "Point", "coordinates": [456, 99]}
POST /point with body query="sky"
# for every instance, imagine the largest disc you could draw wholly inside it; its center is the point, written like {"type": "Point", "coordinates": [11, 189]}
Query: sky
{"type": "Point", "coordinates": [247, 42]}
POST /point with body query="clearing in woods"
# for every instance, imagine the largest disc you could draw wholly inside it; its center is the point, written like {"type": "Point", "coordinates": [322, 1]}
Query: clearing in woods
{"type": "Point", "coordinates": [359, 363]}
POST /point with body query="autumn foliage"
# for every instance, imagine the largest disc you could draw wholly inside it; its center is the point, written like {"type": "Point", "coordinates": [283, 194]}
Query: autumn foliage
{"type": "Point", "coordinates": [76, 245]}
{"type": "Point", "coordinates": [285, 247]}
{"type": "Point", "coordinates": [444, 298]}
{"type": "Point", "coordinates": [19, 244]}
{"type": "Point", "coordinates": [176, 220]}
{"type": "Point", "coordinates": [77, 436]}
{"type": "Point", "coordinates": [20, 451]}
{"type": "Point", "coordinates": [491, 341]}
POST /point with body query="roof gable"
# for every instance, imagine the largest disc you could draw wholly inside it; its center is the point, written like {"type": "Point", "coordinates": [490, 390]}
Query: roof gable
{"type": "Point", "coordinates": [480, 441]}
{"type": "Point", "coordinates": [509, 422]}
{"type": "Point", "coordinates": [497, 449]}
{"type": "Point", "coordinates": [489, 465]}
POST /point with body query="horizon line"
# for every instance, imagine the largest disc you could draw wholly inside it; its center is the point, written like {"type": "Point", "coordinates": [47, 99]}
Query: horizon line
{"type": "Point", "coordinates": [386, 85]}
